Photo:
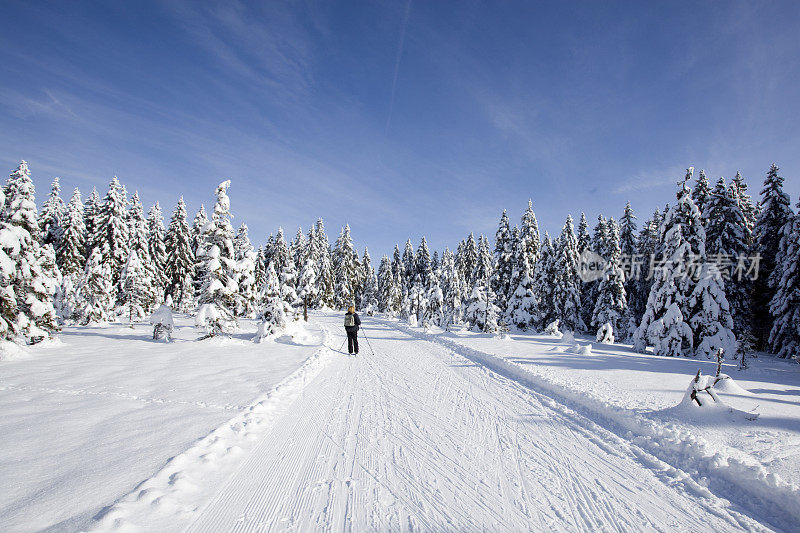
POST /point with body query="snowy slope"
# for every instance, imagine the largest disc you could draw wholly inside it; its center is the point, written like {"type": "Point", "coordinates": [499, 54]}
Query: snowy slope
{"type": "Point", "coordinates": [417, 436]}
{"type": "Point", "coordinates": [86, 418]}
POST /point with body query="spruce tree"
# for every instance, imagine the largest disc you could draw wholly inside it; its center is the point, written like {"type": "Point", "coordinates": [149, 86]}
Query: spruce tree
{"type": "Point", "coordinates": [701, 193]}
{"type": "Point", "coordinates": [157, 248]}
{"type": "Point", "coordinates": [738, 189]}
{"type": "Point", "coordinates": [33, 279]}
{"type": "Point", "coordinates": [529, 232]}
{"type": "Point", "coordinates": [91, 212]}
{"type": "Point", "coordinates": [726, 241]}
{"type": "Point", "coordinates": [139, 242]}
{"type": "Point", "coordinates": [612, 303]}
{"type": "Point", "coordinates": [218, 292]}
{"type": "Point", "coordinates": [666, 322]}
{"type": "Point", "coordinates": [322, 257]}
{"type": "Point", "coordinates": [344, 269]}
{"type": "Point", "coordinates": [566, 283]}
{"type": "Point", "coordinates": [111, 230]}
{"type": "Point", "coordinates": [711, 321]}
{"type": "Point", "coordinates": [584, 241]}
{"type": "Point", "coordinates": [409, 264]}
{"type": "Point", "coordinates": [245, 256]}
{"type": "Point", "coordinates": [543, 291]}
{"type": "Point", "coordinates": [180, 260]}
{"type": "Point", "coordinates": [136, 290]}
{"type": "Point", "coordinates": [95, 291]}
{"type": "Point", "coordinates": [784, 338]}
{"type": "Point", "coordinates": [51, 217]}
{"type": "Point", "coordinates": [468, 260]}
{"type": "Point", "coordinates": [369, 292]}
{"type": "Point", "coordinates": [71, 252]}
{"type": "Point", "coordinates": [775, 213]}
{"type": "Point", "coordinates": [522, 308]}
{"type": "Point", "coordinates": [503, 263]}
{"type": "Point", "coordinates": [200, 220]}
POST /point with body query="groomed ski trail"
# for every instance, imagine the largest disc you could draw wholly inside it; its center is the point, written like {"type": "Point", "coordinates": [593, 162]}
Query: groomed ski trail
{"type": "Point", "coordinates": [416, 437]}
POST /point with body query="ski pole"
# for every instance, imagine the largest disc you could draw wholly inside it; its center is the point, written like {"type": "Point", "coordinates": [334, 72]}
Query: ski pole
{"type": "Point", "coordinates": [342, 346]}
{"type": "Point", "coordinates": [369, 344]}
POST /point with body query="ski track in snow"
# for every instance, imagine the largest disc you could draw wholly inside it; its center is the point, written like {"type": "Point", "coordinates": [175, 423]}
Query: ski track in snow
{"type": "Point", "coordinates": [418, 437]}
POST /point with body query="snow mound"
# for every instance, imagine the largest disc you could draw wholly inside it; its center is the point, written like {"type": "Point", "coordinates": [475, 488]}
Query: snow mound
{"type": "Point", "coordinates": [11, 350]}
{"type": "Point", "coordinates": [162, 316]}
{"type": "Point", "coordinates": [567, 337]}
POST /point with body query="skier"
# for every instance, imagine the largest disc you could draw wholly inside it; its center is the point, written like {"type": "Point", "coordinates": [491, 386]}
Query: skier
{"type": "Point", "coordinates": [351, 323]}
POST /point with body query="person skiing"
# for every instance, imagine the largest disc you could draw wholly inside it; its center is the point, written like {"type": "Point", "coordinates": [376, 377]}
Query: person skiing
{"type": "Point", "coordinates": [351, 323]}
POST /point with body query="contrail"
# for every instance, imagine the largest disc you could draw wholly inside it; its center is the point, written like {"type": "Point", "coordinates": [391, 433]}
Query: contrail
{"type": "Point", "coordinates": [397, 62]}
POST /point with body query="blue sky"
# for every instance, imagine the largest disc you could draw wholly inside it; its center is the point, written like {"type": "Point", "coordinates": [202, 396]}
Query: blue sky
{"type": "Point", "coordinates": [402, 118]}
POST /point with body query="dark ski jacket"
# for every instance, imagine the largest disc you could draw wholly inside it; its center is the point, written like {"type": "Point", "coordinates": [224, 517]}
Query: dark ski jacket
{"type": "Point", "coordinates": [352, 329]}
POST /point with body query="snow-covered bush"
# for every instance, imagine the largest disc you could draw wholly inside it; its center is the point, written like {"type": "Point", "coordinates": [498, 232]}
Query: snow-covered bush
{"type": "Point", "coordinates": [162, 322]}
{"type": "Point", "coordinates": [605, 335]}
{"type": "Point", "coordinates": [274, 320]}
{"type": "Point", "coordinates": [552, 329]}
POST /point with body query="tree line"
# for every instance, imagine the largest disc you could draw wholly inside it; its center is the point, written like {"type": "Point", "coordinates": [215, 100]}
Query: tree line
{"type": "Point", "coordinates": [675, 284]}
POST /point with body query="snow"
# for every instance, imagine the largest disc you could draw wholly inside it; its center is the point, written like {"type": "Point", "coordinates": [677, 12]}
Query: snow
{"type": "Point", "coordinates": [426, 429]}
{"type": "Point", "coordinates": [86, 417]}
{"type": "Point", "coordinates": [755, 463]}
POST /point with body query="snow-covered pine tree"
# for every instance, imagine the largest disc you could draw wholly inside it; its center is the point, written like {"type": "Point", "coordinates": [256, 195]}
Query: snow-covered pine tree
{"type": "Point", "coordinates": [584, 240]}
{"type": "Point", "coordinates": [139, 242]}
{"type": "Point", "coordinates": [385, 289]}
{"type": "Point", "coordinates": [409, 264]}
{"type": "Point", "coordinates": [344, 269]}
{"type": "Point", "coordinates": [775, 213]}
{"type": "Point", "coordinates": [32, 279]}
{"type": "Point", "coordinates": [71, 252]}
{"type": "Point", "coordinates": [612, 304]}
{"type": "Point", "coordinates": [666, 321]}
{"type": "Point", "coordinates": [95, 290]}
{"type": "Point", "coordinates": [738, 189]}
{"type": "Point", "coordinates": [503, 263]}
{"type": "Point", "coordinates": [321, 253]}
{"type": "Point", "coordinates": [51, 217]}
{"type": "Point", "coordinates": [91, 212]}
{"type": "Point", "coordinates": [111, 230]}
{"type": "Point", "coordinates": [784, 338]}
{"type": "Point", "coordinates": [589, 290]}
{"type": "Point", "coordinates": [369, 290]}
{"type": "Point", "coordinates": [543, 288]}
{"type": "Point", "coordinates": [179, 266]}
{"type": "Point", "coordinates": [468, 260]}
{"type": "Point", "coordinates": [629, 247]}
{"type": "Point", "coordinates": [711, 320]}
{"type": "Point", "coordinates": [726, 240]}
{"type": "Point", "coordinates": [423, 261]}
{"type": "Point", "coordinates": [648, 244]}
{"type": "Point", "coordinates": [157, 248]}
{"type": "Point", "coordinates": [299, 248]}
{"type": "Point", "coordinates": [701, 193]}
{"type": "Point", "coordinates": [452, 289]}
{"type": "Point", "coordinates": [245, 256]}
{"type": "Point", "coordinates": [480, 312]}
{"type": "Point", "coordinates": [307, 282]}
{"type": "Point", "coordinates": [136, 290]}
{"type": "Point", "coordinates": [397, 262]}
{"type": "Point", "coordinates": [199, 222]}
{"type": "Point", "coordinates": [566, 283]}
{"type": "Point", "coordinates": [218, 292]}
{"type": "Point", "coordinates": [529, 231]}
{"type": "Point", "coordinates": [522, 309]}
{"type": "Point", "coordinates": [434, 298]}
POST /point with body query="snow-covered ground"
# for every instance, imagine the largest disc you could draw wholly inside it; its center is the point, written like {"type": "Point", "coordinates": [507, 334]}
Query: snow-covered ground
{"type": "Point", "coordinates": [86, 418]}
{"type": "Point", "coordinates": [432, 431]}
